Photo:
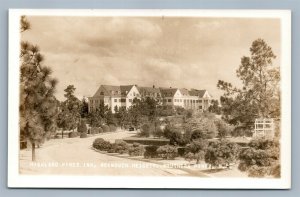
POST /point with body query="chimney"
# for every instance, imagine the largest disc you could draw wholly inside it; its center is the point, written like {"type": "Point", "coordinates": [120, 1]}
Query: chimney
{"type": "Point", "coordinates": [153, 86]}
{"type": "Point", "coordinates": [170, 87]}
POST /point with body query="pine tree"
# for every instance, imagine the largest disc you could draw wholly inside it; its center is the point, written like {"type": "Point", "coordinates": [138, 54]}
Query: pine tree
{"type": "Point", "coordinates": [69, 116]}
{"type": "Point", "coordinates": [38, 106]}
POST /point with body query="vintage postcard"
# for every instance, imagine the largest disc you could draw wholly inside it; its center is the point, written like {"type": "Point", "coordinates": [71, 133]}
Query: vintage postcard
{"type": "Point", "coordinates": [149, 99]}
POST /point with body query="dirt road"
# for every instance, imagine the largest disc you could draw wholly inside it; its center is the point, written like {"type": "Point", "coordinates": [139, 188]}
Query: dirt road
{"type": "Point", "coordinates": [75, 156]}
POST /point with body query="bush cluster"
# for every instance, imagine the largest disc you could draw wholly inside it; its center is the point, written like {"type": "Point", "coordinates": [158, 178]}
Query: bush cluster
{"type": "Point", "coordinates": [73, 134]}
{"type": "Point", "coordinates": [120, 147]}
{"type": "Point", "coordinates": [167, 152]}
{"type": "Point", "coordinates": [83, 135]}
{"type": "Point", "coordinates": [105, 128]}
{"type": "Point", "coordinates": [147, 141]}
{"type": "Point", "coordinates": [151, 152]}
{"type": "Point", "coordinates": [101, 144]}
{"type": "Point", "coordinates": [136, 150]}
{"type": "Point", "coordinates": [96, 130]}
{"type": "Point", "coordinates": [112, 127]}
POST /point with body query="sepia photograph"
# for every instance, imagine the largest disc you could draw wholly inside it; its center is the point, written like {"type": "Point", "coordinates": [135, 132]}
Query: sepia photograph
{"type": "Point", "coordinates": [149, 99]}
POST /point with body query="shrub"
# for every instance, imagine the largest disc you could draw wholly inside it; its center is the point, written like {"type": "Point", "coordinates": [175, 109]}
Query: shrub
{"type": "Point", "coordinates": [181, 151]}
{"type": "Point", "coordinates": [178, 139]}
{"type": "Point", "coordinates": [189, 156]}
{"type": "Point", "coordinates": [197, 134]}
{"type": "Point", "coordinates": [136, 150]}
{"type": "Point", "coordinates": [147, 141]}
{"type": "Point", "coordinates": [73, 134]}
{"type": "Point", "coordinates": [96, 130]}
{"type": "Point", "coordinates": [261, 158]}
{"type": "Point", "coordinates": [198, 148]}
{"type": "Point", "coordinates": [112, 127]}
{"type": "Point", "coordinates": [158, 132]}
{"type": "Point", "coordinates": [167, 152]}
{"type": "Point", "coordinates": [101, 144]}
{"type": "Point", "coordinates": [83, 135]}
{"type": "Point", "coordinates": [82, 127]}
{"type": "Point", "coordinates": [145, 130]}
{"type": "Point", "coordinates": [151, 152]}
{"type": "Point", "coordinates": [105, 128]}
{"type": "Point", "coordinates": [119, 147]}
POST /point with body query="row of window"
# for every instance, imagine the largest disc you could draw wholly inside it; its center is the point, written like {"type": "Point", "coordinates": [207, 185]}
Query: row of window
{"type": "Point", "coordinates": [183, 100]}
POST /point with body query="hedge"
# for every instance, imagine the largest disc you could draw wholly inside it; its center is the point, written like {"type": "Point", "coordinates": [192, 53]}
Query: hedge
{"type": "Point", "coordinates": [151, 152]}
{"type": "Point", "coordinates": [73, 134]}
{"type": "Point", "coordinates": [136, 150]}
{"type": "Point", "coordinates": [112, 127]}
{"type": "Point", "coordinates": [167, 152]}
{"type": "Point", "coordinates": [96, 130]}
{"type": "Point", "coordinates": [147, 141]}
{"type": "Point", "coordinates": [83, 135]}
{"type": "Point", "coordinates": [101, 144]}
{"type": "Point", "coordinates": [119, 147]}
{"type": "Point", "coordinates": [105, 128]}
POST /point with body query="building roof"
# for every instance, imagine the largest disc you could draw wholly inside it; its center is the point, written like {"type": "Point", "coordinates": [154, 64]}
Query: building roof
{"type": "Point", "coordinates": [168, 92]}
{"type": "Point", "coordinates": [125, 89]}
{"type": "Point", "coordinates": [195, 92]}
{"type": "Point", "coordinates": [184, 91]}
{"type": "Point", "coordinates": [148, 90]}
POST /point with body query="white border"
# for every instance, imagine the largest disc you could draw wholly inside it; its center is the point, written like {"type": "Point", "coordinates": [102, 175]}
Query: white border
{"type": "Point", "coordinates": [37, 181]}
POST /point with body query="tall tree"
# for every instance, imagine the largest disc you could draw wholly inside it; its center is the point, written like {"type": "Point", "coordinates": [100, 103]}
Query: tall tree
{"type": "Point", "coordinates": [38, 106]}
{"type": "Point", "coordinates": [84, 108]}
{"type": "Point", "coordinates": [259, 96]}
{"type": "Point", "coordinates": [69, 116]}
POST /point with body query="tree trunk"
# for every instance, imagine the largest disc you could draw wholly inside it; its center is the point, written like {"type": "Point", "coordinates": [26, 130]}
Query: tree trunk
{"type": "Point", "coordinates": [62, 134]}
{"type": "Point", "coordinates": [33, 151]}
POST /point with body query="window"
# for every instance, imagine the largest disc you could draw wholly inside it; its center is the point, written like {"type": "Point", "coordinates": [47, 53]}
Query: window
{"type": "Point", "coordinates": [123, 100]}
{"type": "Point", "coordinates": [101, 93]}
{"type": "Point", "coordinates": [116, 100]}
{"type": "Point", "coordinates": [130, 100]}
{"type": "Point", "coordinates": [169, 100]}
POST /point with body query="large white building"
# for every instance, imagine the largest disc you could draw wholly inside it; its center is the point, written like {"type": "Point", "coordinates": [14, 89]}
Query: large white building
{"type": "Point", "coordinates": [122, 96]}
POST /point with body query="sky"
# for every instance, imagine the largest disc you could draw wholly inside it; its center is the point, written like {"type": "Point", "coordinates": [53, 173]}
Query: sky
{"type": "Point", "coordinates": [189, 52]}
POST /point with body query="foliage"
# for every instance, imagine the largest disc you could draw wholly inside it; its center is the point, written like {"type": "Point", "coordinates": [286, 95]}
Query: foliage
{"type": "Point", "coordinates": [204, 122]}
{"type": "Point", "coordinates": [73, 134]}
{"type": "Point", "coordinates": [105, 128]}
{"type": "Point", "coordinates": [197, 134]}
{"type": "Point", "coordinates": [84, 108]}
{"type": "Point", "coordinates": [151, 152]}
{"type": "Point", "coordinates": [82, 127]}
{"type": "Point", "coordinates": [196, 150]}
{"type": "Point", "coordinates": [261, 158]}
{"type": "Point", "coordinates": [158, 132]}
{"type": "Point", "coordinates": [69, 115]}
{"type": "Point", "coordinates": [120, 147]}
{"type": "Point", "coordinates": [147, 141]}
{"type": "Point", "coordinates": [112, 127]}
{"type": "Point", "coordinates": [101, 144]}
{"type": "Point", "coordinates": [167, 152]}
{"type": "Point", "coordinates": [242, 131]}
{"type": "Point", "coordinates": [136, 150]}
{"type": "Point", "coordinates": [223, 128]}
{"type": "Point", "coordinates": [221, 152]}
{"type": "Point", "coordinates": [96, 130]}
{"type": "Point", "coordinates": [259, 95]}
{"type": "Point", "coordinates": [145, 130]}
{"type": "Point", "coordinates": [83, 135]}
{"type": "Point", "coordinates": [214, 107]}
{"type": "Point", "coordinates": [38, 106]}
{"type": "Point", "coordinates": [179, 139]}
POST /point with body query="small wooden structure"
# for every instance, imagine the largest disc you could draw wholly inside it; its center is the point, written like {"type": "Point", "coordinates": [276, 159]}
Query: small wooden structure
{"type": "Point", "coordinates": [264, 127]}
